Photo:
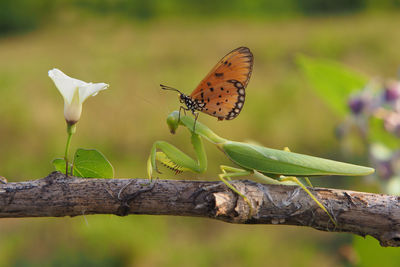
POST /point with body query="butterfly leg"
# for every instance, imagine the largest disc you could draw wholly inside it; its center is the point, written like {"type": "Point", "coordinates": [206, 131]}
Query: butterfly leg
{"type": "Point", "coordinates": [196, 115]}
{"type": "Point", "coordinates": [184, 111]}
{"type": "Point", "coordinates": [295, 180]}
{"type": "Point", "coordinates": [225, 176]}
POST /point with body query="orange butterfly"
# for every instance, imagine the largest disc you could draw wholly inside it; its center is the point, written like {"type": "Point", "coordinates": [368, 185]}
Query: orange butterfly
{"type": "Point", "coordinates": [222, 92]}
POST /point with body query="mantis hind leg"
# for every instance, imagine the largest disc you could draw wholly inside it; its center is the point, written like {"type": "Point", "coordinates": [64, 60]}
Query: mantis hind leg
{"type": "Point", "coordinates": [305, 178]}
{"type": "Point", "coordinates": [308, 182]}
{"type": "Point", "coordinates": [225, 176]}
{"type": "Point", "coordinates": [295, 180]}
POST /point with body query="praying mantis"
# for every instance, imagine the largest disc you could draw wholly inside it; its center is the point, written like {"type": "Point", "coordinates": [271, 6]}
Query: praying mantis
{"type": "Point", "coordinates": [271, 165]}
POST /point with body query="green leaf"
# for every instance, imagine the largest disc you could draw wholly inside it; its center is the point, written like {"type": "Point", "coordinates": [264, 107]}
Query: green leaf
{"type": "Point", "coordinates": [332, 81]}
{"type": "Point", "coordinates": [378, 134]}
{"type": "Point", "coordinates": [90, 163]}
{"type": "Point", "coordinates": [59, 165]}
{"type": "Point", "coordinates": [371, 253]}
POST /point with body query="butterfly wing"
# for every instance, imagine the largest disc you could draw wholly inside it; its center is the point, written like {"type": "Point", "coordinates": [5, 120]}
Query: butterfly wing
{"type": "Point", "coordinates": [222, 92]}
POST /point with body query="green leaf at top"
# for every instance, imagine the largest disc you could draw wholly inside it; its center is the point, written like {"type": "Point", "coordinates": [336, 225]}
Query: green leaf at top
{"type": "Point", "coordinates": [90, 163]}
{"type": "Point", "coordinates": [332, 81]}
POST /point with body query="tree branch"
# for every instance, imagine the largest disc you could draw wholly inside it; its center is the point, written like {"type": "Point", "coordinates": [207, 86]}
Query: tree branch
{"type": "Point", "coordinates": [56, 195]}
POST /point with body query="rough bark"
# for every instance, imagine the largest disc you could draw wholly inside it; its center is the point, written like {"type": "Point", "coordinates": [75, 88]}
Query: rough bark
{"type": "Point", "coordinates": [56, 195]}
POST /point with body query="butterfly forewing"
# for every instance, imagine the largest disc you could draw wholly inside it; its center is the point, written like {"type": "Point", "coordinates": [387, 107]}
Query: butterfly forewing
{"type": "Point", "coordinates": [222, 92]}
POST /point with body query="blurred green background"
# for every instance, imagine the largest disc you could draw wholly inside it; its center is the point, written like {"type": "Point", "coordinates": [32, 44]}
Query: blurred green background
{"type": "Point", "coordinates": [136, 45]}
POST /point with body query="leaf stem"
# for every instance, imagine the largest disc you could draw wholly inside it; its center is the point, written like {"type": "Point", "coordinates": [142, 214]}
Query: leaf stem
{"type": "Point", "coordinates": [71, 129]}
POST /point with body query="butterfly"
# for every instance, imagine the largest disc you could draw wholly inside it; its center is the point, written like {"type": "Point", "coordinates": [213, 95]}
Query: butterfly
{"type": "Point", "coordinates": [222, 92]}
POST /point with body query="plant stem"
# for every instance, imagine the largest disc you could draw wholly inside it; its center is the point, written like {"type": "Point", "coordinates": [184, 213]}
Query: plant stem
{"type": "Point", "coordinates": [70, 131]}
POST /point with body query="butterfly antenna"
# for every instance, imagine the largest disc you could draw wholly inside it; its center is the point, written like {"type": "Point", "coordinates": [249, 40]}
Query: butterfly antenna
{"type": "Point", "coordinates": [164, 87]}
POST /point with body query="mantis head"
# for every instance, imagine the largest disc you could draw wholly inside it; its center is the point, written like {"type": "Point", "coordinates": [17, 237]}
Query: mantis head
{"type": "Point", "coordinates": [173, 121]}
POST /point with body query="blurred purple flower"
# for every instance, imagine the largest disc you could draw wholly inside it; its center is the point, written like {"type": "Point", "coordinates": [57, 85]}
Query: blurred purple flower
{"type": "Point", "coordinates": [384, 169]}
{"type": "Point", "coordinates": [382, 102]}
{"type": "Point", "coordinates": [356, 104]}
{"type": "Point", "coordinates": [391, 122]}
{"type": "Point", "coordinates": [392, 91]}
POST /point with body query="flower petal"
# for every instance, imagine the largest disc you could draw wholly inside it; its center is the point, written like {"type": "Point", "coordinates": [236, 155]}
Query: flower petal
{"type": "Point", "coordinates": [65, 84]}
{"type": "Point", "coordinates": [73, 110]}
{"type": "Point", "coordinates": [91, 89]}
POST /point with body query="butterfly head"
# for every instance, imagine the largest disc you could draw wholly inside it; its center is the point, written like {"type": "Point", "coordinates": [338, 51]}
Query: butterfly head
{"type": "Point", "coordinates": [188, 101]}
{"type": "Point", "coordinates": [182, 98]}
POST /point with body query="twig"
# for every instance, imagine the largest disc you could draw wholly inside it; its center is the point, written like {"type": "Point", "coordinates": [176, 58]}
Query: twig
{"type": "Point", "coordinates": [56, 195]}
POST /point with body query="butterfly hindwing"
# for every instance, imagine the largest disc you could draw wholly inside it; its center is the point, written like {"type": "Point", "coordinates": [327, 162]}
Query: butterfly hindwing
{"type": "Point", "coordinates": [224, 102]}
{"type": "Point", "coordinates": [222, 92]}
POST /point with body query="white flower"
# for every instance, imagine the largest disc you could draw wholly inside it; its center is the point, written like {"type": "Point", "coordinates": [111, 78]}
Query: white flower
{"type": "Point", "coordinates": [75, 92]}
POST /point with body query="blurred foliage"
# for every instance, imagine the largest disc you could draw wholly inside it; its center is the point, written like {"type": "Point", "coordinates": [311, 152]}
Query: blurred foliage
{"type": "Point", "coordinates": [374, 255]}
{"type": "Point", "coordinates": [23, 15]}
{"type": "Point", "coordinates": [368, 107]}
{"type": "Point", "coordinates": [178, 8]}
{"type": "Point", "coordinates": [328, 6]}
{"type": "Point", "coordinates": [226, 8]}
{"type": "Point", "coordinates": [332, 81]}
{"type": "Point", "coordinates": [378, 134]}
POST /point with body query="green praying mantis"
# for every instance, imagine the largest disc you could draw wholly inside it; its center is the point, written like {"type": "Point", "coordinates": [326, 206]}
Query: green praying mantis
{"type": "Point", "coordinates": [271, 165]}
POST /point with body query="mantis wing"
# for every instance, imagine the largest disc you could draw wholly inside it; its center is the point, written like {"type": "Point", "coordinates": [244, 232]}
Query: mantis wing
{"type": "Point", "coordinates": [280, 162]}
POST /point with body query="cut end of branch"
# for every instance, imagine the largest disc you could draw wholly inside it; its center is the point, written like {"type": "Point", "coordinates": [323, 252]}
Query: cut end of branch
{"type": "Point", "coordinates": [389, 239]}
{"type": "Point", "coordinates": [233, 207]}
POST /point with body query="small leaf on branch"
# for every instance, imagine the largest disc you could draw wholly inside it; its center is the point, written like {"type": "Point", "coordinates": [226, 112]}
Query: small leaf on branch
{"type": "Point", "coordinates": [59, 165]}
{"type": "Point", "coordinates": [91, 163]}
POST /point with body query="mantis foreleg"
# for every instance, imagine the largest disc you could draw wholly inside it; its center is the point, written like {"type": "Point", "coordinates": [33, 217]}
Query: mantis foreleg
{"type": "Point", "coordinates": [175, 159]}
